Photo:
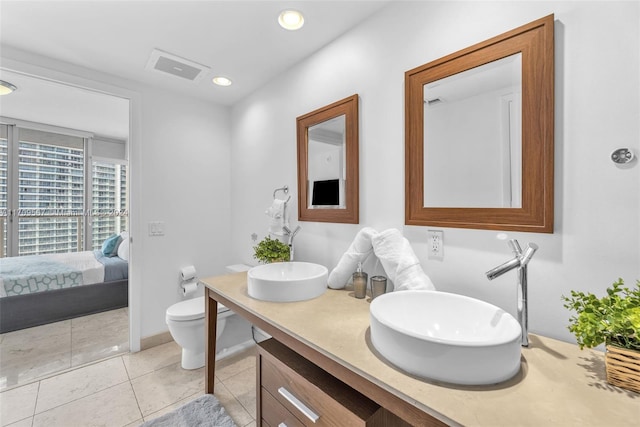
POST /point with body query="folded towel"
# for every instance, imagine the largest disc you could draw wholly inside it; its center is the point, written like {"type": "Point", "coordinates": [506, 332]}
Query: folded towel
{"type": "Point", "coordinates": [359, 250]}
{"type": "Point", "coordinates": [275, 212]}
{"type": "Point", "coordinates": [399, 261]}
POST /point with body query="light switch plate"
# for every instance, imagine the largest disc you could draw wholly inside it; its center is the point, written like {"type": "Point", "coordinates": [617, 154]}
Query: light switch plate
{"type": "Point", "coordinates": [156, 228]}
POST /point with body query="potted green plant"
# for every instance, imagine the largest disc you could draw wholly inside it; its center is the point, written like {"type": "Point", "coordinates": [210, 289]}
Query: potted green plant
{"type": "Point", "coordinates": [613, 320]}
{"type": "Point", "coordinates": [271, 250]}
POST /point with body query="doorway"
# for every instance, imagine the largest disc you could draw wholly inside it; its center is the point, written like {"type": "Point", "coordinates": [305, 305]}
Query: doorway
{"type": "Point", "coordinates": [102, 120]}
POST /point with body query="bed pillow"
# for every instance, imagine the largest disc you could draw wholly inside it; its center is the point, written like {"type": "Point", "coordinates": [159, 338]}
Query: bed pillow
{"type": "Point", "coordinates": [123, 249]}
{"type": "Point", "coordinates": [110, 245]}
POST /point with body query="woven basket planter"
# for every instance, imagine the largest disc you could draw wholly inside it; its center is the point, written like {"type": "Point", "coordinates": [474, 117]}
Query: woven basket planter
{"type": "Point", "coordinates": [623, 368]}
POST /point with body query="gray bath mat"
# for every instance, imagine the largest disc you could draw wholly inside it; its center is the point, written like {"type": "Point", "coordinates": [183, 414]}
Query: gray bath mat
{"type": "Point", "coordinates": [205, 411]}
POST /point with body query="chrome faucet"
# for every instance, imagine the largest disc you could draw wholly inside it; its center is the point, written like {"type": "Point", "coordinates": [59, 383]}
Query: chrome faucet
{"type": "Point", "coordinates": [291, 235]}
{"type": "Point", "coordinates": [520, 262]}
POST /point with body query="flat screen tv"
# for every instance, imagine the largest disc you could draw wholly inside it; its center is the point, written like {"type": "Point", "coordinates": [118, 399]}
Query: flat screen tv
{"type": "Point", "coordinates": [326, 193]}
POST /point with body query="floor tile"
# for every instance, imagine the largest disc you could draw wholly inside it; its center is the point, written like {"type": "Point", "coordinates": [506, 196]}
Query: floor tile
{"type": "Point", "coordinates": [243, 387]}
{"type": "Point", "coordinates": [166, 386]}
{"type": "Point", "coordinates": [32, 353]}
{"type": "Point", "coordinates": [99, 336]}
{"type": "Point", "coordinates": [234, 408]}
{"type": "Point", "coordinates": [27, 422]}
{"type": "Point", "coordinates": [115, 406]}
{"type": "Point", "coordinates": [79, 383]}
{"type": "Point", "coordinates": [18, 403]}
{"type": "Point", "coordinates": [170, 408]}
{"type": "Point", "coordinates": [121, 391]}
{"type": "Point", "coordinates": [235, 364]}
{"type": "Point", "coordinates": [42, 351]}
{"type": "Point", "coordinates": [152, 359]}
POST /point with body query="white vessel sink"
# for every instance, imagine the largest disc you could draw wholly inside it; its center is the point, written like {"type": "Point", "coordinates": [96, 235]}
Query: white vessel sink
{"type": "Point", "coordinates": [287, 281]}
{"type": "Point", "coordinates": [446, 337]}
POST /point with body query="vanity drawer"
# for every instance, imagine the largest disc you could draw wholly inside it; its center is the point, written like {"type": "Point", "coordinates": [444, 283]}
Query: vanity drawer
{"type": "Point", "coordinates": [274, 414]}
{"type": "Point", "coordinates": [313, 396]}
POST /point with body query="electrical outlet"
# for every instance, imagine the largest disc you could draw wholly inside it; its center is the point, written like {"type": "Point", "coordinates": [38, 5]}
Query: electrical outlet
{"type": "Point", "coordinates": [435, 240]}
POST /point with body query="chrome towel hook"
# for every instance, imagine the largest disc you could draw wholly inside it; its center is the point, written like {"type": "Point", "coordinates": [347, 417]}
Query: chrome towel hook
{"type": "Point", "coordinates": [284, 189]}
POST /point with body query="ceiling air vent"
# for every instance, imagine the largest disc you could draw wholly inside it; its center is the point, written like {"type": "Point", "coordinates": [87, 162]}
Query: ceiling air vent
{"type": "Point", "coordinates": [171, 64]}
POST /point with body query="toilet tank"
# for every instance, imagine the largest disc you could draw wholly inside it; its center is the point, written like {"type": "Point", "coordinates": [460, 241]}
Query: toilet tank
{"type": "Point", "coordinates": [237, 268]}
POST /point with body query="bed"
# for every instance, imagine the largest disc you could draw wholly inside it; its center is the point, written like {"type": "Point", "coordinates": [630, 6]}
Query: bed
{"type": "Point", "coordinates": [40, 289]}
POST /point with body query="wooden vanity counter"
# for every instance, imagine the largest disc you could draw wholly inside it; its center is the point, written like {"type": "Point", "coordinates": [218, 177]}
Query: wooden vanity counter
{"type": "Point", "coordinates": [558, 385]}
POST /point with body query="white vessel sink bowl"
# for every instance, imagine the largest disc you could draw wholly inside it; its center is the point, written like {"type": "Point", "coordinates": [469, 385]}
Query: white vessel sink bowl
{"type": "Point", "coordinates": [287, 281]}
{"type": "Point", "coordinates": [446, 337]}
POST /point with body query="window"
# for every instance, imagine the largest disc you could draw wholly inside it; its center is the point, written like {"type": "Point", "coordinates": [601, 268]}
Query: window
{"type": "Point", "coordinates": [109, 200]}
{"type": "Point", "coordinates": [3, 190]}
{"type": "Point", "coordinates": [48, 204]}
{"type": "Point", "coordinates": [50, 193]}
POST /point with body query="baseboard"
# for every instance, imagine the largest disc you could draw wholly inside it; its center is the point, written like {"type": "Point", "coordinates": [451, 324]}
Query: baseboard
{"type": "Point", "coordinates": [233, 350]}
{"type": "Point", "coordinates": [155, 340]}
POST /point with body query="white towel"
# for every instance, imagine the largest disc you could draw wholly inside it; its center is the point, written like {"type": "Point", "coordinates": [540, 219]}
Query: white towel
{"type": "Point", "coordinates": [359, 250]}
{"type": "Point", "coordinates": [275, 212]}
{"type": "Point", "coordinates": [399, 261]}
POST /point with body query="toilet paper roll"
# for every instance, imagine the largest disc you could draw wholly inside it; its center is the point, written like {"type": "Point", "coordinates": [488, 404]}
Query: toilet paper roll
{"type": "Point", "coordinates": [189, 288]}
{"type": "Point", "coordinates": [188, 272]}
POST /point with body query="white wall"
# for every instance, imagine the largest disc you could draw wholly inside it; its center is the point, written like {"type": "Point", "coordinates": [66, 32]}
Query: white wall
{"type": "Point", "coordinates": [180, 175]}
{"type": "Point", "coordinates": [185, 181]}
{"type": "Point", "coordinates": [597, 232]}
{"type": "Point", "coordinates": [324, 161]}
{"type": "Point", "coordinates": [464, 162]}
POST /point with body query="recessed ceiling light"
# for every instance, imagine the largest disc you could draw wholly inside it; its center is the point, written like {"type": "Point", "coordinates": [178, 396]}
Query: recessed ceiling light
{"type": "Point", "coordinates": [291, 20]}
{"type": "Point", "coordinates": [222, 81]}
{"type": "Point", "coordinates": [6, 88]}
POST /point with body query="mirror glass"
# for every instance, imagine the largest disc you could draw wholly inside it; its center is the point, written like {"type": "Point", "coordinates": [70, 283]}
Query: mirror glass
{"type": "Point", "coordinates": [472, 137]}
{"type": "Point", "coordinates": [479, 129]}
{"type": "Point", "coordinates": [328, 163]}
{"type": "Point", "coordinates": [327, 170]}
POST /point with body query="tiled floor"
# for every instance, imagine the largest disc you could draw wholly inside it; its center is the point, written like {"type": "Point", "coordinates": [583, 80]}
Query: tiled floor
{"type": "Point", "coordinates": [31, 354]}
{"type": "Point", "coordinates": [128, 389]}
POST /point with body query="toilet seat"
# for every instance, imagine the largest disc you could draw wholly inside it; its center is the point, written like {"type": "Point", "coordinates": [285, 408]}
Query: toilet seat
{"type": "Point", "coordinates": [191, 309]}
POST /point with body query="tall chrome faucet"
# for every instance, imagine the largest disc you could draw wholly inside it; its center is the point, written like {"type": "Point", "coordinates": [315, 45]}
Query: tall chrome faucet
{"type": "Point", "coordinates": [520, 262]}
{"type": "Point", "coordinates": [291, 235]}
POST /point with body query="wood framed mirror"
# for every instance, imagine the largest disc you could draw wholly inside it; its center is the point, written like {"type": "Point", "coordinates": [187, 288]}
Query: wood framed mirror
{"type": "Point", "coordinates": [328, 163]}
{"type": "Point", "coordinates": [479, 129]}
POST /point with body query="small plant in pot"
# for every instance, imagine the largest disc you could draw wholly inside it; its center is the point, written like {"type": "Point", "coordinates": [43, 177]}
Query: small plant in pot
{"type": "Point", "coordinates": [270, 250]}
{"type": "Point", "coordinates": [613, 320]}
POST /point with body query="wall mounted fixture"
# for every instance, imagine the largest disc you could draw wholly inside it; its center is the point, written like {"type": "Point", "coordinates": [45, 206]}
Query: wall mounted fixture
{"type": "Point", "coordinates": [291, 20]}
{"type": "Point", "coordinates": [6, 88]}
{"type": "Point", "coordinates": [622, 156]}
{"type": "Point", "coordinates": [168, 63]}
{"type": "Point", "coordinates": [523, 201]}
{"type": "Point", "coordinates": [329, 192]}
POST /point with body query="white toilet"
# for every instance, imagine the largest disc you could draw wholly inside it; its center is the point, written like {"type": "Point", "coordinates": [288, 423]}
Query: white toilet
{"type": "Point", "coordinates": [185, 320]}
{"type": "Point", "coordinates": [186, 324]}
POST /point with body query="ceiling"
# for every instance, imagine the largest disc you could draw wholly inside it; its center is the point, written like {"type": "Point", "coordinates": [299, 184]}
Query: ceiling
{"type": "Point", "coordinates": [238, 39]}
{"type": "Point", "coordinates": [52, 103]}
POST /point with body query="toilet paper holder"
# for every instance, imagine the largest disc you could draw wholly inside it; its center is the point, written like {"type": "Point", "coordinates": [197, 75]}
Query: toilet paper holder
{"type": "Point", "coordinates": [188, 280]}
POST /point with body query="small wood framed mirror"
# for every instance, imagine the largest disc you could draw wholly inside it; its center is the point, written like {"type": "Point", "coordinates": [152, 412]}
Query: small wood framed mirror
{"type": "Point", "coordinates": [479, 135]}
{"type": "Point", "coordinates": [328, 163]}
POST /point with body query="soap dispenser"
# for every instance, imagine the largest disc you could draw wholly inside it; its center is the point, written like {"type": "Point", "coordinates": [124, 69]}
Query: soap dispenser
{"type": "Point", "coordinates": [360, 279]}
